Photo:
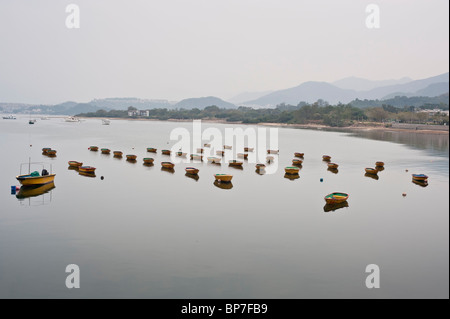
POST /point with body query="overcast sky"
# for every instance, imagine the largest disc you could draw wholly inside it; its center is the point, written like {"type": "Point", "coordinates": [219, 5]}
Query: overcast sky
{"type": "Point", "coordinates": [175, 49]}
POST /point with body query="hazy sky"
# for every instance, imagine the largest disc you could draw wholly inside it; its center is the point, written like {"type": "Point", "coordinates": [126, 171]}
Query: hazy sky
{"type": "Point", "coordinates": [175, 49]}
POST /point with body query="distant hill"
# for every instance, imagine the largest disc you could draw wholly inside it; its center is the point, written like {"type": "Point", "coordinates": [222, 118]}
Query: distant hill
{"type": "Point", "coordinates": [441, 101]}
{"type": "Point", "coordinates": [247, 96]}
{"type": "Point", "coordinates": [124, 103]}
{"type": "Point", "coordinates": [360, 84]}
{"type": "Point", "coordinates": [203, 102]}
{"type": "Point", "coordinates": [312, 91]}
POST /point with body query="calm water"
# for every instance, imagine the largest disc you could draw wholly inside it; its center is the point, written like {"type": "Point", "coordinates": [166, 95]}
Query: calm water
{"type": "Point", "coordinates": [146, 233]}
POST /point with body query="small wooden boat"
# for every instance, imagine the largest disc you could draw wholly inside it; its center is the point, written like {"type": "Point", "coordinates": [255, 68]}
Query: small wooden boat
{"type": "Point", "coordinates": [181, 154]}
{"type": "Point", "coordinates": [292, 170]}
{"type": "Point", "coordinates": [379, 164]}
{"type": "Point", "coordinates": [336, 198]}
{"type": "Point", "coordinates": [372, 171]}
{"type": "Point", "coordinates": [87, 169]}
{"type": "Point", "coordinates": [270, 159]}
{"type": "Point", "coordinates": [220, 153]}
{"type": "Point", "coordinates": [420, 177]}
{"type": "Point", "coordinates": [35, 178]}
{"type": "Point", "coordinates": [51, 153]}
{"type": "Point", "coordinates": [273, 151]}
{"type": "Point", "coordinates": [131, 157]}
{"type": "Point", "coordinates": [118, 154]}
{"type": "Point", "coordinates": [207, 145]}
{"type": "Point", "coordinates": [75, 164]}
{"type": "Point", "coordinates": [235, 163]}
{"type": "Point", "coordinates": [106, 151]}
{"type": "Point", "coordinates": [93, 148]}
{"type": "Point", "coordinates": [333, 166]}
{"type": "Point", "coordinates": [223, 178]}
{"type": "Point", "coordinates": [214, 160]}
{"type": "Point", "coordinates": [200, 150]}
{"type": "Point", "coordinates": [196, 157]}
{"type": "Point", "coordinates": [242, 155]}
{"type": "Point", "coordinates": [326, 158]}
{"type": "Point", "coordinates": [166, 152]}
{"type": "Point", "coordinates": [45, 150]}
{"type": "Point", "coordinates": [260, 166]}
{"type": "Point", "coordinates": [152, 150]}
{"type": "Point", "coordinates": [192, 170]}
{"type": "Point", "coordinates": [227, 147]}
{"type": "Point", "coordinates": [167, 165]}
{"type": "Point", "coordinates": [148, 160]}
{"type": "Point", "coordinates": [299, 155]}
{"type": "Point", "coordinates": [297, 162]}
{"type": "Point", "coordinates": [248, 149]}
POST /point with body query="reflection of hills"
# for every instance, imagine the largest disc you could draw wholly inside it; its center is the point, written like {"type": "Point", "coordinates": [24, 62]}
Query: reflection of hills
{"type": "Point", "coordinates": [34, 191]}
{"type": "Point", "coordinates": [430, 142]}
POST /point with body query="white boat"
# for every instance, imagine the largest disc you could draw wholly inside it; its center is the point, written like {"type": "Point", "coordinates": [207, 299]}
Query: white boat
{"type": "Point", "coordinates": [72, 119]}
{"type": "Point", "coordinates": [9, 117]}
{"type": "Point", "coordinates": [106, 122]}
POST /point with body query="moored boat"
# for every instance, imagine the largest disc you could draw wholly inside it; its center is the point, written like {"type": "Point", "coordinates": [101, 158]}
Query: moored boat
{"type": "Point", "coordinates": [372, 171]}
{"type": "Point", "coordinates": [75, 164]}
{"type": "Point", "coordinates": [299, 155]}
{"type": "Point", "coordinates": [35, 178]}
{"type": "Point", "coordinates": [192, 170]}
{"type": "Point", "coordinates": [336, 198]}
{"type": "Point", "coordinates": [152, 150]}
{"type": "Point", "coordinates": [379, 164]}
{"type": "Point", "coordinates": [148, 160]}
{"type": "Point", "coordinates": [326, 158]}
{"type": "Point", "coordinates": [51, 153]}
{"type": "Point", "coordinates": [118, 154]}
{"type": "Point", "coordinates": [235, 163]}
{"type": "Point", "coordinates": [45, 150]}
{"type": "Point", "coordinates": [166, 152]}
{"type": "Point", "coordinates": [224, 178]}
{"type": "Point", "coordinates": [292, 170]}
{"type": "Point", "coordinates": [333, 166]}
{"type": "Point", "coordinates": [420, 177]}
{"type": "Point", "coordinates": [260, 166]}
{"type": "Point", "coordinates": [131, 157]}
{"type": "Point", "coordinates": [93, 148]}
{"type": "Point", "coordinates": [87, 169]}
{"type": "Point", "coordinates": [106, 151]}
{"type": "Point", "coordinates": [297, 162]}
{"type": "Point", "coordinates": [167, 165]}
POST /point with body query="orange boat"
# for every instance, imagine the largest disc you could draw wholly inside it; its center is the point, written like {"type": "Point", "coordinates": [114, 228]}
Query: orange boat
{"type": "Point", "coordinates": [106, 151]}
{"type": "Point", "coordinates": [75, 164]}
{"type": "Point", "coordinates": [167, 165]}
{"type": "Point", "coordinates": [372, 171]}
{"type": "Point", "coordinates": [87, 169]}
{"type": "Point", "coordinates": [131, 157]}
{"type": "Point", "coordinates": [148, 160]}
{"type": "Point", "coordinates": [93, 148]}
{"type": "Point", "coordinates": [192, 170]}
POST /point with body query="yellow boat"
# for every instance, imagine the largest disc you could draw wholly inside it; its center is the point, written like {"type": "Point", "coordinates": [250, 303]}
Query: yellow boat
{"type": "Point", "coordinates": [224, 178]}
{"type": "Point", "coordinates": [167, 165]}
{"type": "Point", "coordinates": [27, 180]}
{"type": "Point", "coordinates": [292, 170]}
{"type": "Point", "coordinates": [336, 198]}
{"type": "Point", "coordinates": [333, 166]}
{"type": "Point", "coordinates": [87, 169]}
{"type": "Point", "coordinates": [106, 151]}
{"type": "Point", "coordinates": [420, 177]}
{"type": "Point", "coordinates": [75, 164]}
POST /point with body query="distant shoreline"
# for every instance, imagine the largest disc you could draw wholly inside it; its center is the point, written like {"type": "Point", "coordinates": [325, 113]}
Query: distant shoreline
{"type": "Point", "coordinates": [438, 130]}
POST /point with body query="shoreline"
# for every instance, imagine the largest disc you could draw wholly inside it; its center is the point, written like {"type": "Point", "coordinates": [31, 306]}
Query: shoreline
{"type": "Point", "coordinates": [366, 127]}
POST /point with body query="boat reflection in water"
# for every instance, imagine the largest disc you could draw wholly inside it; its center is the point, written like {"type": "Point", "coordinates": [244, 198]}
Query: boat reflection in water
{"type": "Point", "coordinates": [34, 191]}
{"type": "Point", "coordinates": [72, 168]}
{"type": "Point", "coordinates": [372, 176]}
{"type": "Point", "coordinates": [193, 176]}
{"type": "Point", "coordinates": [292, 177]}
{"type": "Point", "coordinates": [223, 185]}
{"type": "Point", "coordinates": [260, 171]}
{"type": "Point", "coordinates": [334, 207]}
{"type": "Point", "coordinates": [420, 183]}
{"type": "Point", "coordinates": [333, 170]}
{"type": "Point", "coordinates": [87, 174]}
{"type": "Point", "coordinates": [168, 170]}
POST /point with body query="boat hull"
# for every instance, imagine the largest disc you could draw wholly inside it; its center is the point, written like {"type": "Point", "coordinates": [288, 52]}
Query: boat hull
{"type": "Point", "coordinates": [292, 170]}
{"type": "Point", "coordinates": [336, 198]}
{"type": "Point", "coordinates": [372, 171]}
{"type": "Point", "coordinates": [27, 180]}
{"type": "Point", "coordinates": [223, 178]}
{"type": "Point", "coordinates": [75, 164]}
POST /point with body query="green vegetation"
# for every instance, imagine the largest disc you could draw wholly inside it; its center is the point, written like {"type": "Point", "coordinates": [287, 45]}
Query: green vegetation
{"type": "Point", "coordinates": [340, 115]}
